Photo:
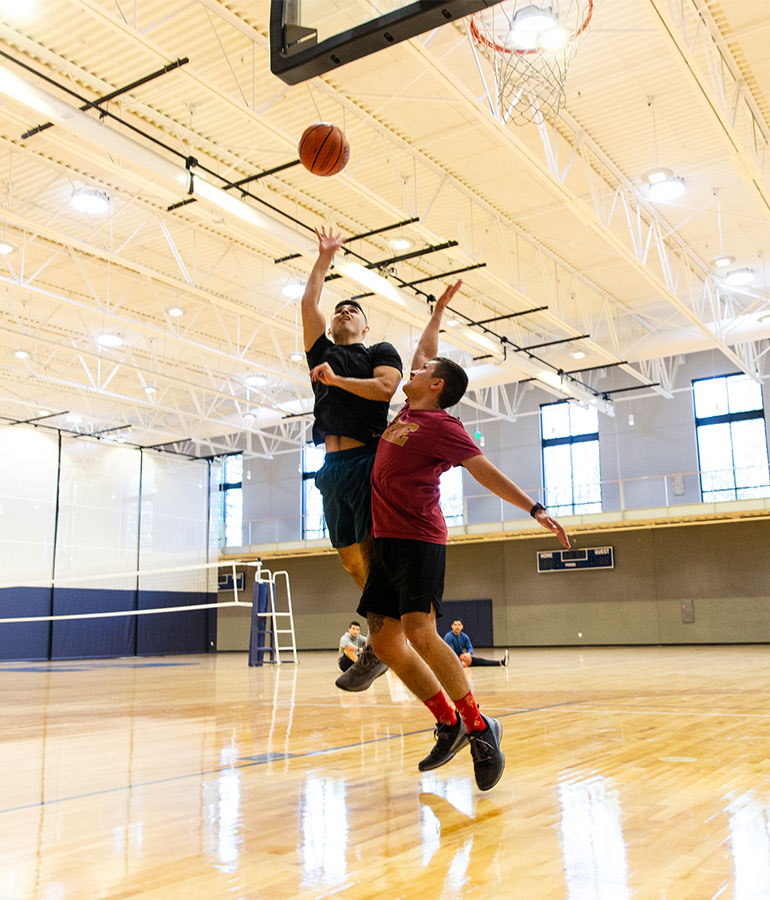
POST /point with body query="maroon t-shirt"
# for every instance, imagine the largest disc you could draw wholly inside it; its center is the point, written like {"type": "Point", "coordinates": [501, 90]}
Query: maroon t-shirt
{"type": "Point", "coordinates": [412, 454]}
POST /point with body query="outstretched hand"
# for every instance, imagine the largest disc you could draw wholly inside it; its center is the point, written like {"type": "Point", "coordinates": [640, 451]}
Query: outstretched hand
{"type": "Point", "coordinates": [329, 241]}
{"type": "Point", "coordinates": [445, 299]}
{"type": "Point", "coordinates": [542, 518]}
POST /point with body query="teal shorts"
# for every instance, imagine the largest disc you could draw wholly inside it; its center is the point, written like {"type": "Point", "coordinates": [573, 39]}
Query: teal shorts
{"type": "Point", "coordinates": [344, 483]}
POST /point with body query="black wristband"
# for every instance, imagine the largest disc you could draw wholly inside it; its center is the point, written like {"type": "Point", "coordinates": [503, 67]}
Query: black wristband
{"type": "Point", "coordinates": [536, 508]}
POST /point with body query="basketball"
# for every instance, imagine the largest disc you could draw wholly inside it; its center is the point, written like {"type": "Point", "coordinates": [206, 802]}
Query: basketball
{"type": "Point", "coordinates": [323, 149]}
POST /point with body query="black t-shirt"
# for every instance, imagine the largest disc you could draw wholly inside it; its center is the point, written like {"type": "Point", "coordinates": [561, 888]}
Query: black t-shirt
{"type": "Point", "coordinates": [340, 412]}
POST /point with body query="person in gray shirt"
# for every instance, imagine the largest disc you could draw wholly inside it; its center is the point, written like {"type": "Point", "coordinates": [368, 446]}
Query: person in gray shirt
{"type": "Point", "coordinates": [351, 645]}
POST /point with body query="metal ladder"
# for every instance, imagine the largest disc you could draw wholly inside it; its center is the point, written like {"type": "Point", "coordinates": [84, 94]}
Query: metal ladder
{"type": "Point", "coordinates": [275, 617]}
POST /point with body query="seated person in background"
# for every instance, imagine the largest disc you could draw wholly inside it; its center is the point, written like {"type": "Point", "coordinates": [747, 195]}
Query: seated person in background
{"type": "Point", "coordinates": [462, 646]}
{"type": "Point", "coordinates": [351, 645]}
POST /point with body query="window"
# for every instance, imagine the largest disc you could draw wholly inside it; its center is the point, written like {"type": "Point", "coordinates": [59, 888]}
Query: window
{"type": "Point", "coordinates": [571, 470]}
{"type": "Point", "coordinates": [313, 521]}
{"type": "Point", "coordinates": [451, 487]}
{"type": "Point", "coordinates": [731, 437]}
{"type": "Point", "coordinates": [232, 494]}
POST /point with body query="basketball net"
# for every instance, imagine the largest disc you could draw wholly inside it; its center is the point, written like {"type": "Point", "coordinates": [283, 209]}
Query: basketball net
{"type": "Point", "coordinates": [530, 46]}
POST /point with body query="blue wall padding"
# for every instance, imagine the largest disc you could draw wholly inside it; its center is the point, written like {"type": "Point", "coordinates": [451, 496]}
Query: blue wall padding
{"type": "Point", "coordinates": [81, 638]}
{"type": "Point", "coordinates": [186, 632]}
{"type": "Point", "coordinates": [260, 596]}
{"type": "Point", "coordinates": [19, 641]}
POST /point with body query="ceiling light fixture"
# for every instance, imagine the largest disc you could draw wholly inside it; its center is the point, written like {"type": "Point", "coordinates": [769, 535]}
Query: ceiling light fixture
{"type": "Point", "coordinates": [662, 191]}
{"type": "Point", "coordinates": [175, 311]}
{"type": "Point", "coordinates": [722, 261]}
{"type": "Point", "coordinates": [111, 341]}
{"type": "Point", "coordinates": [739, 277]}
{"type": "Point", "coordinates": [7, 247]}
{"type": "Point", "coordinates": [657, 175]}
{"type": "Point", "coordinates": [91, 201]}
{"type": "Point", "coordinates": [44, 412]}
{"type": "Point", "coordinates": [256, 380]}
{"type": "Point", "coordinates": [453, 323]}
{"type": "Point", "coordinates": [296, 356]}
{"type": "Point", "coordinates": [552, 38]}
{"type": "Point", "coordinates": [765, 319]}
{"type": "Point", "coordinates": [16, 10]}
{"type": "Point", "coordinates": [661, 183]}
{"type": "Point", "coordinates": [400, 243]}
{"type": "Point", "coordinates": [21, 354]}
{"type": "Point", "coordinates": [529, 23]}
{"type": "Point", "coordinates": [149, 389]}
{"type": "Point", "coordinates": [578, 354]}
{"type": "Point", "coordinates": [293, 290]}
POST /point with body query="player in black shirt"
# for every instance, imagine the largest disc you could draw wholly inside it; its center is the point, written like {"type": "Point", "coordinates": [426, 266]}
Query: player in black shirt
{"type": "Point", "coordinates": [353, 385]}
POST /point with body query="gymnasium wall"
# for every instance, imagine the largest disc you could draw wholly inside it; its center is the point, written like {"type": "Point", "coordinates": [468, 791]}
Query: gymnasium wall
{"type": "Point", "coordinates": [84, 513]}
{"type": "Point", "coordinates": [643, 456]}
{"type": "Point", "coordinates": [720, 571]}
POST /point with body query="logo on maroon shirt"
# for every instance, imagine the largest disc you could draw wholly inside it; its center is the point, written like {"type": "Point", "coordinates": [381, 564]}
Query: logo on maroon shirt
{"type": "Point", "coordinates": [398, 432]}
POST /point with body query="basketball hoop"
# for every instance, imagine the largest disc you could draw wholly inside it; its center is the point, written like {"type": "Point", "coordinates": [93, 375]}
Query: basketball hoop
{"type": "Point", "coordinates": [530, 47]}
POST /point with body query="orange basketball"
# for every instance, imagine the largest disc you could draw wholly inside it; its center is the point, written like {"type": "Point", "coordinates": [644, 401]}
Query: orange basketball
{"type": "Point", "coordinates": [323, 149]}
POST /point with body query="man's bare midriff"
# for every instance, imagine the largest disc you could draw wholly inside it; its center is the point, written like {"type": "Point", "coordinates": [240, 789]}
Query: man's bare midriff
{"type": "Point", "coordinates": [335, 442]}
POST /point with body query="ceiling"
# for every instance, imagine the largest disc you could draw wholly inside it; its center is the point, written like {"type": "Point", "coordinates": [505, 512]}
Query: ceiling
{"type": "Point", "coordinates": [556, 218]}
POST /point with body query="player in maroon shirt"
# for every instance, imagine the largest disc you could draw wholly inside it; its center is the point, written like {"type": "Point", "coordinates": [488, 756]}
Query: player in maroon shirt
{"type": "Point", "coordinates": [406, 578]}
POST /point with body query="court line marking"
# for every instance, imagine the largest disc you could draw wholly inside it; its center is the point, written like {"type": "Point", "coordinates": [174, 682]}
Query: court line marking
{"type": "Point", "coordinates": [262, 759]}
{"type": "Point", "coordinates": [39, 669]}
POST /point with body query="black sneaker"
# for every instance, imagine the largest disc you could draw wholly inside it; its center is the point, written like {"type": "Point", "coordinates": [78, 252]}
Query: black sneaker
{"type": "Point", "coordinates": [449, 739]}
{"type": "Point", "coordinates": [363, 671]}
{"type": "Point", "coordinates": [488, 759]}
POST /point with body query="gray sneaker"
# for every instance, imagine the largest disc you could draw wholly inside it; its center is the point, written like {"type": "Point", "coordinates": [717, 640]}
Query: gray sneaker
{"type": "Point", "coordinates": [449, 739]}
{"type": "Point", "coordinates": [488, 758]}
{"type": "Point", "coordinates": [363, 672]}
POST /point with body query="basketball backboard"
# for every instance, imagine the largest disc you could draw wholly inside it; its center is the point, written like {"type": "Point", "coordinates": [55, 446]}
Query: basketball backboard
{"type": "Point", "coordinates": [310, 37]}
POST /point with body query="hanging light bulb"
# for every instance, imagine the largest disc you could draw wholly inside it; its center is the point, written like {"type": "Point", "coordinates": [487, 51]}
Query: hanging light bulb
{"type": "Point", "coordinates": [661, 183]}
{"type": "Point", "coordinates": [739, 277]}
{"type": "Point", "coordinates": [529, 23]}
{"type": "Point", "coordinates": [90, 200]}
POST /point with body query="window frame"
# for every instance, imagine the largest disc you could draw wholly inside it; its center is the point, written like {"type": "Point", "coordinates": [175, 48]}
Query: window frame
{"type": "Point", "coordinates": [571, 440]}
{"type": "Point", "coordinates": [306, 476]}
{"type": "Point", "coordinates": [224, 487]}
{"type": "Point", "coordinates": [727, 419]}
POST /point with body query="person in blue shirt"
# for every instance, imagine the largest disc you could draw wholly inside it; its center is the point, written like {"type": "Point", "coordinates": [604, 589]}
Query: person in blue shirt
{"type": "Point", "coordinates": [462, 646]}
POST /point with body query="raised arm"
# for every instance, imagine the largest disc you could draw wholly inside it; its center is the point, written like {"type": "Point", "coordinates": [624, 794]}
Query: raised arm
{"type": "Point", "coordinates": [313, 322]}
{"type": "Point", "coordinates": [427, 346]}
{"type": "Point", "coordinates": [490, 477]}
{"type": "Point", "coordinates": [381, 386]}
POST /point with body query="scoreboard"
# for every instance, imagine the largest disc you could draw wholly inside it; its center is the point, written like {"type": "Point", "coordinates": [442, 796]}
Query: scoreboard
{"type": "Point", "coordinates": [575, 560]}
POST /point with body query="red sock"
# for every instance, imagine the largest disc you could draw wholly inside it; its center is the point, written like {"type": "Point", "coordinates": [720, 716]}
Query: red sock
{"type": "Point", "coordinates": [441, 708]}
{"type": "Point", "coordinates": [469, 713]}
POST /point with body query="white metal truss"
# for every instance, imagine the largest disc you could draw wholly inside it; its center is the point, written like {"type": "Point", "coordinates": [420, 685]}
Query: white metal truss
{"type": "Point", "coordinates": [215, 348]}
{"type": "Point", "coordinates": [705, 59]}
{"type": "Point", "coordinates": [679, 282]}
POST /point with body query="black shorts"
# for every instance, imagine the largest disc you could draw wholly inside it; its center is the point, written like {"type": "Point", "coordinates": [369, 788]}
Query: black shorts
{"type": "Point", "coordinates": [404, 576]}
{"type": "Point", "coordinates": [344, 483]}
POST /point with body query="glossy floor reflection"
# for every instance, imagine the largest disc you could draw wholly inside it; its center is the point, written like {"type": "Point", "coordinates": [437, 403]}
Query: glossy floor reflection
{"type": "Point", "coordinates": [632, 773]}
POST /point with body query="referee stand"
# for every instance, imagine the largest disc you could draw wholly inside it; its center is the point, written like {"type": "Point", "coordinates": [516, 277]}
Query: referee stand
{"type": "Point", "coordinates": [272, 628]}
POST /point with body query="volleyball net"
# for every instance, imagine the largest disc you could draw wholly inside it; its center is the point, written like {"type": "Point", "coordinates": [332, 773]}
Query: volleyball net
{"type": "Point", "coordinates": [109, 613]}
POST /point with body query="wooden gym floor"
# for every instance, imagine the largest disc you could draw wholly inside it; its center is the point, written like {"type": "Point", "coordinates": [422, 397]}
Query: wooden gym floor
{"type": "Point", "coordinates": [631, 773]}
